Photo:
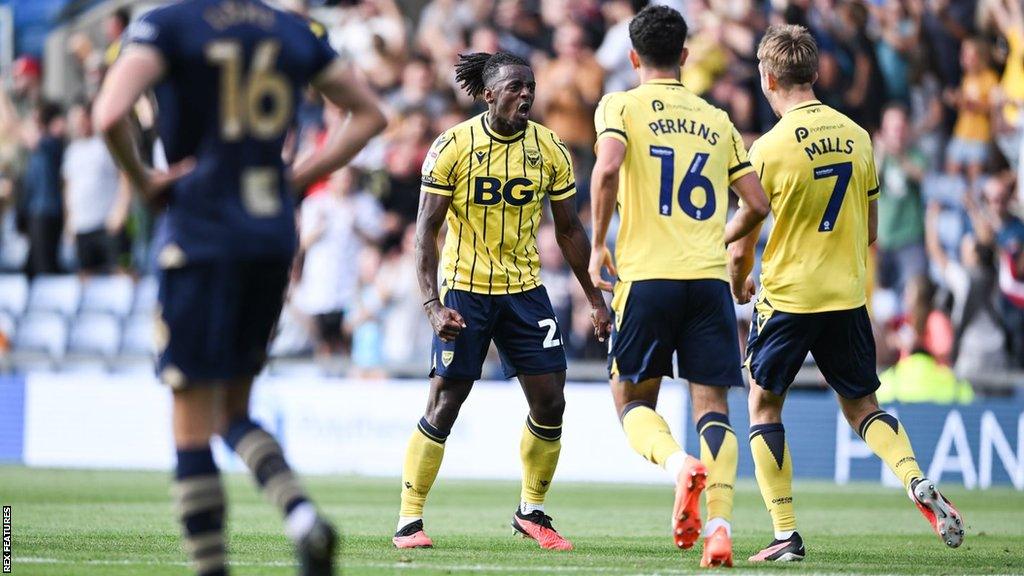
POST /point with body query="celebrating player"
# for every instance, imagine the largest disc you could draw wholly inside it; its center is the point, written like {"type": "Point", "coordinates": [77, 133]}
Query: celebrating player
{"type": "Point", "coordinates": [488, 177]}
{"type": "Point", "coordinates": [819, 171]}
{"type": "Point", "coordinates": [668, 158]}
{"type": "Point", "coordinates": [228, 75]}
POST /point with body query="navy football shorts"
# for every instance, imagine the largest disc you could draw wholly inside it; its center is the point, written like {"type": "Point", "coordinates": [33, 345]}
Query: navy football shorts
{"type": "Point", "coordinates": [693, 319]}
{"type": "Point", "coordinates": [840, 342]}
{"type": "Point", "coordinates": [216, 319]}
{"type": "Point", "coordinates": [522, 326]}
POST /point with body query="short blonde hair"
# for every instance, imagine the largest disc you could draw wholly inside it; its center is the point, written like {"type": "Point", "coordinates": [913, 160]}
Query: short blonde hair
{"type": "Point", "coordinates": [790, 54]}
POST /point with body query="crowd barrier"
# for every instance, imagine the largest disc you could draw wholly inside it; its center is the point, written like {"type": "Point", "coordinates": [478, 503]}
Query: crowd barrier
{"type": "Point", "coordinates": [341, 426]}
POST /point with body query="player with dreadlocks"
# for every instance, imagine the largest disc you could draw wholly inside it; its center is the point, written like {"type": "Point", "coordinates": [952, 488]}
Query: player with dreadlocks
{"type": "Point", "coordinates": [488, 177]}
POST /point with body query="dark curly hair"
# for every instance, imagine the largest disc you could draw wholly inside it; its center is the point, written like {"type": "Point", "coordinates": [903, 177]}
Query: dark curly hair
{"type": "Point", "coordinates": [658, 33]}
{"type": "Point", "coordinates": [476, 71]}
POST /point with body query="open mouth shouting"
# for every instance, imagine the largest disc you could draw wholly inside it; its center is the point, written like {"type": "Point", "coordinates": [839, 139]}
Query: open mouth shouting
{"type": "Point", "coordinates": [523, 111]}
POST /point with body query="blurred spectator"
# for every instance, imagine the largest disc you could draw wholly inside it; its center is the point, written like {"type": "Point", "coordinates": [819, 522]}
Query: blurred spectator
{"type": "Point", "coordinates": [114, 28]}
{"type": "Point", "coordinates": [922, 328]}
{"type": "Point", "coordinates": [898, 37]}
{"type": "Point", "coordinates": [901, 168]}
{"type": "Point", "coordinates": [363, 321]}
{"type": "Point", "coordinates": [403, 316]}
{"type": "Point", "coordinates": [1009, 19]}
{"type": "Point", "coordinates": [865, 93]}
{"type": "Point", "coordinates": [968, 149]}
{"type": "Point", "coordinates": [613, 55]}
{"type": "Point", "coordinates": [417, 90]}
{"type": "Point", "coordinates": [1009, 235]}
{"type": "Point", "coordinates": [95, 202]}
{"type": "Point", "coordinates": [568, 89]}
{"type": "Point", "coordinates": [919, 378]}
{"type": "Point", "coordinates": [403, 158]}
{"type": "Point", "coordinates": [27, 88]}
{"type": "Point", "coordinates": [372, 34]}
{"type": "Point", "coordinates": [335, 225]}
{"type": "Point", "coordinates": [926, 111]}
{"type": "Point", "coordinates": [42, 201]}
{"type": "Point", "coordinates": [980, 342]}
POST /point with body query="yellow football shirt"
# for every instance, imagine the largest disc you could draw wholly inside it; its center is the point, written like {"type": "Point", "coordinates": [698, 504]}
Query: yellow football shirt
{"type": "Point", "coordinates": [497, 185]}
{"type": "Point", "coordinates": [817, 167]}
{"type": "Point", "coordinates": [681, 156]}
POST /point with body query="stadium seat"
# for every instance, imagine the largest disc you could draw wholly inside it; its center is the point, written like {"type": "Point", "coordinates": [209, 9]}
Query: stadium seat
{"type": "Point", "coordinates": [138, 336]}
{"type": "Point", "coordinates": [110, 294]}
{"type": "Point", "coordinates": [13, 294]}
{"type": "Point", "coordinates": [95, 333]}
{"type": "Point", "coordinates": [145, 296]}
{"type": "Point", "coordinates": [61, 294]}
{"type": "Point", "coordinates": [42, 332]}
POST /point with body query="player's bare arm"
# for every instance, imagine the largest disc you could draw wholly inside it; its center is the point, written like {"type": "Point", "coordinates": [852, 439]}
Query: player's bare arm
{"type": "Point", "coordinates": [343, 88]}
{"type": "Point", "coordinates": [741, 262]}
{"type": "Point", "coordinates": [741, 233]}
{"type": "Point", "coordinates": [872, 221]}
{"type": "Point", "coordinates": [134, 72]}
{"type": "Point", "coordinates": [754, 208]}
{"type": "Point", "coordinates": [447, 323]}
{"type": "Point", "coordinates": [572, 239]}
{"type": "Point", "coordinates": [604, 186]}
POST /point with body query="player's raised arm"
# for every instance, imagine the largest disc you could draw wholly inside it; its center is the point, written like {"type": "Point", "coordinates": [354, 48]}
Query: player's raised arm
{"type": "Point", "coordinates": [342, 87]}
{"type": "Point", "coordinates": [572, 239]}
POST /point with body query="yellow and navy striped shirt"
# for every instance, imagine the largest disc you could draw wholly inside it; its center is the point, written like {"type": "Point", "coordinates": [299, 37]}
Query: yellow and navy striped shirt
{"type": "Point", "coordinates": [497, 184]}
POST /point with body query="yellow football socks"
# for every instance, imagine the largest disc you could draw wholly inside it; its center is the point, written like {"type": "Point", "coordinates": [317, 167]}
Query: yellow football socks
{"type": "Point", "coordinates": [886, 438]}
{"type": "Point", "coordinates": [422, 461]}
{"type": "Point", "coordinates": [773, 469]}
{"type": "Point", "coordinates": [648, 433]}
{"type": "Point", "coordinates": [539, 450]}
{"type": "Point", "coordinates": [719, 451]}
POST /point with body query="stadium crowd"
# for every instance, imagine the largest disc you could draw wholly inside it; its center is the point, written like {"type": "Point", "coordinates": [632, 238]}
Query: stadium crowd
{"type": "Point", "coordinates": [938, 83]}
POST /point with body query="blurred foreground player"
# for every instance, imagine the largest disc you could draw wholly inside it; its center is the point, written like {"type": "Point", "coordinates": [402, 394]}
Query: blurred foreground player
{"type": "Point", "coordinates": [488, 177]}
{"type": "Point", "coordinates": [227, 75]}
{"type": "Point", "coordinates": [819, 171]}
{"type": "Point", "coordinates": [667, 159]}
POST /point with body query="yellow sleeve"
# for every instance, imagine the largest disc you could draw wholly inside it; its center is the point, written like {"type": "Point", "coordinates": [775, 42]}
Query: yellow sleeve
{"type": "Point", "coordinates": [873, 187]}
{"type": "Point", "coordinates": [739, 164]}
{"type": "Point", "coordinates": [563, 182]}
{"type": "Point", "coordinates": [438, 174]}
{"type": "Point", "coordinates": [610, 118]}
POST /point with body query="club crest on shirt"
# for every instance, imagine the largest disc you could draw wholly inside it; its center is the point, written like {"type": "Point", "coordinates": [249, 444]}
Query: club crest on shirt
{"type": "Point", "coordinates": [447, 356]}
{"type": "Point", "coordinates": [533, 156]}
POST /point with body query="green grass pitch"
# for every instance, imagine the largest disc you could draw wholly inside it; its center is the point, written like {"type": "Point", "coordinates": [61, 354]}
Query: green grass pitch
{"type": "Point", "coordinates": [84, 523]}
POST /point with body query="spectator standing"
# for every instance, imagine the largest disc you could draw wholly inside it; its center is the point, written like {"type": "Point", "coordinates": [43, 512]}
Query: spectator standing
{"type": "Point", "coordinates": [41, 188]}
{"type": "Point", "coordinates": [980, 344]}
{"type": "Point", "coordinates": [406, 330]}
{"type": "Point", "coordinates": [968, 149]}
{"type": "Point", "coordinates": [1009, 18]}
{"type": "Point", "coordinates": [417, 91]}
{"type": "Point", "coordinates": [92, 191]}
{"type": "Point", "coordinates": [926, 112]}
{"type": "Point", "coordinates": [568, 89]}
{"type": "Point", "coordinates": [1009, 235]}
{"type": "Point", "coordinates": [335, 225]}
{"type": "Point", "coordinates": [613, 54]}
{"type": "Point", "coordinates": [901, 168]}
